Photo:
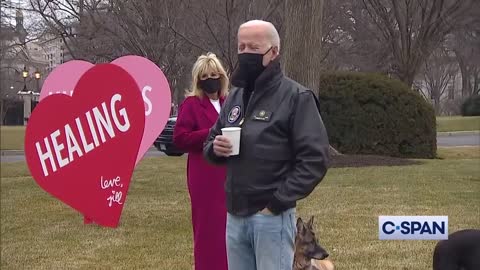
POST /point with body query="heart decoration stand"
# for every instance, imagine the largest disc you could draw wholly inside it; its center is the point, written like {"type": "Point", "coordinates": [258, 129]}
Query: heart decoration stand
{"type": "Point", "coordinates": [92, 126]}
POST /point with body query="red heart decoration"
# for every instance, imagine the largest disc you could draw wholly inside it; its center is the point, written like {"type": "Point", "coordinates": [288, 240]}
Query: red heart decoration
{"type": "Point", "coordinates": [82, 149]}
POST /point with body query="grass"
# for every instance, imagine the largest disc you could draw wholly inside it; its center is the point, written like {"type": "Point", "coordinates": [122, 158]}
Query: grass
{"type": "Point", "coordinates": [12, 137]}
{"type": "Point", "coordinates": [463, 152]}
{"type": "Point", "coordinates": [39, 232]}
{"type": "Point", "coordinates": [458, 123]}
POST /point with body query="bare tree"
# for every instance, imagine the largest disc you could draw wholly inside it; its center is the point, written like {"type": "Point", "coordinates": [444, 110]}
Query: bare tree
{"type": "Point", "coordinates": [170, 33]}
{"type": "Point", "coordinates": [303, 41]}
{"type": "Point", "coordinates": [334, 36]}
{"type": "Point", "coordinates": [350, 39]}
{"type": "Point", "coordinates": [465, 43]}
{"type": "Point", "coordinates": [414, 28]}
{"type": "Point", "coordinates": [212, 25]}
{"type": "Point", "coordinates": [438, 73]}
{"type": "Point", "coordinates": [100, 31]}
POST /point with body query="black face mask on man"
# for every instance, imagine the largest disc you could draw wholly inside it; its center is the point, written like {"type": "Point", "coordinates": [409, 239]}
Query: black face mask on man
{"type": "Point", "coordinates": [250, 66]}
{"type": "Point", "coordinates": [210, 85]}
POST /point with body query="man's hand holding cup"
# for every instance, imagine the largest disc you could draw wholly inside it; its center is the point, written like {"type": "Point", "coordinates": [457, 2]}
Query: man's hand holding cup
{"type": "Point", "coordinates": [222, 146]}
{"type": "Point", "coordinates": [227, 144]}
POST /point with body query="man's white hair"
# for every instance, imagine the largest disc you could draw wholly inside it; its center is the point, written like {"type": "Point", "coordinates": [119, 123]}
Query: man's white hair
{"type": "Point", "coordinates": [272, 33]}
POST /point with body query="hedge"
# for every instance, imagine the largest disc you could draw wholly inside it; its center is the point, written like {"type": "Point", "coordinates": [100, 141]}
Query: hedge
{"type": "Point", "coordinates": [471, 106]}
{"type": "Point", "coordinates": [373, 114]}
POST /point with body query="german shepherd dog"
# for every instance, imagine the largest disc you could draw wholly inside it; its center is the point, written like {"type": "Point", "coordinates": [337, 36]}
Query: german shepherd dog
{"type": "Point", "coordinates": [309, 255]}
{"type": "Point", "coordinates": [460, 252]}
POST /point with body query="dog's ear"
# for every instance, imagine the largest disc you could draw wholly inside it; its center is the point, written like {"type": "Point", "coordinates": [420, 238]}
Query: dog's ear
{"type": "Point", "coordinates": [310, 223]}
{"type": "Point", "coordinates": [299, 222]}
{"type": "Point", "coordinates": [300, 226]}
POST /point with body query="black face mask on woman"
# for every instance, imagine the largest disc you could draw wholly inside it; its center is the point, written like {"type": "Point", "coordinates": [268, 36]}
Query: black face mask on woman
{"type": "Point", "coordinates": [250, 67]}
{"type": "Point", "coordinates": [210, 85]}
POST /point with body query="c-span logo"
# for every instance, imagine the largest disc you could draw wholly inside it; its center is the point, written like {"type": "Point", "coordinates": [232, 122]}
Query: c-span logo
{"type": "Point", "coordinates": [413, 227]}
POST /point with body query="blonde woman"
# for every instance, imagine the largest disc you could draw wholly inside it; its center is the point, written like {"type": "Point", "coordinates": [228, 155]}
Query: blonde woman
{"type": "Point", "coordinates": [197, 114]}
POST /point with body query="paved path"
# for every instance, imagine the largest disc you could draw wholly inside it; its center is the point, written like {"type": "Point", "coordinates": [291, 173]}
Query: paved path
{"type": "Point", "coordinates": [458, 139]}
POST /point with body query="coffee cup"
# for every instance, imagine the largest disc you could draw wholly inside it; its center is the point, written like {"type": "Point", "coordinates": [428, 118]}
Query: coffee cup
{"type": "Point", "coordinates": [233, 135]}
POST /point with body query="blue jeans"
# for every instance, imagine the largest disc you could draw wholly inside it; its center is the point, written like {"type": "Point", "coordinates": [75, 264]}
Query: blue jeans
{"type": "Point", "coordinates": [261, 241]}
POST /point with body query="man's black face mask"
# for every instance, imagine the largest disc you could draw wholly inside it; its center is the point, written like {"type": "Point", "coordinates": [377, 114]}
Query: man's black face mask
{"type": "Point", "coordinates": [250, 67]}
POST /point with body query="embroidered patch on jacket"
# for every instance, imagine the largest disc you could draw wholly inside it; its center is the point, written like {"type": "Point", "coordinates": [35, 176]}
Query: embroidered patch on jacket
{"type": "Point", "coordinates": [262, 115]}
{"type": "Point", "coordinates": [234, 114]}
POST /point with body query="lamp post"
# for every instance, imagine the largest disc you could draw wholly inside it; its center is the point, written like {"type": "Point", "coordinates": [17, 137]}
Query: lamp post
{"type": "Point", "coordinates": [26, 97]}
{"type": "Point", "coordinates": [25, 75]}
{"type": "Point", "coordinates": [38, 75]}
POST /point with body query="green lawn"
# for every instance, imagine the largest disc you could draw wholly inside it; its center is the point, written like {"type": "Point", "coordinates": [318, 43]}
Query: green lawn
{"type": "Point", "coordinates": [458, 123]}
{"type": "Point", "coordinates": [463, 152]}
{"type": "Point", "coordinates": [12, 137]}
{"type": "Point", "coordinates": [39, 232]}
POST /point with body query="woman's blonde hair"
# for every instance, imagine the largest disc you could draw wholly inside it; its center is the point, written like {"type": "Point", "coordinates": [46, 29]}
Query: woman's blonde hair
{"type": "Point", "coordinates": [206, 64]}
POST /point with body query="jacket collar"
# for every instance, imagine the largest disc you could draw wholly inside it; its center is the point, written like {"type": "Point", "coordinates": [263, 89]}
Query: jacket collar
{"type": "Point", "coordinates": [268, 78]}
{"type": "Point", "coordinates": [267, 82]}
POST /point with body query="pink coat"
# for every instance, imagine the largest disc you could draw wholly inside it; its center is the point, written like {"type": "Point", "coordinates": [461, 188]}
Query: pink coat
{"type": "Point", "coordinates": [205, 183]}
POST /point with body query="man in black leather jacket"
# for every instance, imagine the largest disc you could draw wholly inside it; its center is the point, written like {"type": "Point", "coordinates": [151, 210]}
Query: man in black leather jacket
{"type": "Point", "coordinates": [283, 152]}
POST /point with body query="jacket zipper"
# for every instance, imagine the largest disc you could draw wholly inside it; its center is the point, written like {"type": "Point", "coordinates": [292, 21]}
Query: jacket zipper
{"type": "Point", "coordinates": [242, 121]}
{"type": "Point", "coordinates": [246, 109]}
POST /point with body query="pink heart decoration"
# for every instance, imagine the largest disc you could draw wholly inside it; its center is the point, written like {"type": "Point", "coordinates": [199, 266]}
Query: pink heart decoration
{"type": "Point", "coordinates": [62, 79]}
{"type": "Point", "coordinates": [82, 149]}
{"type": "Point", "coordinates": [156, 96]}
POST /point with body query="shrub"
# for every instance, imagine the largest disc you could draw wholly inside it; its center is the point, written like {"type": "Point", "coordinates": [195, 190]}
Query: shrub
{"type": "Point", "coordinates": [471, 106]}
{"type": "Point", "coordinates": [373, 114]}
